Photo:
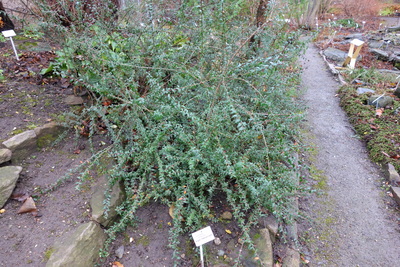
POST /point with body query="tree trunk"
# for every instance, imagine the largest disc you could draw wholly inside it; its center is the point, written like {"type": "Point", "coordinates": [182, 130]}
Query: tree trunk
{"type": "Point", "coordinates": [262, 8]}
{"type": "Point", "coordinates": [312, 12]}
{"type": "Point", "coordinates": [260, 20]}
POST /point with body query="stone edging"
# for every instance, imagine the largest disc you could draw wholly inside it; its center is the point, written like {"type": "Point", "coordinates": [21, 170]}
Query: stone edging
{"type": "Point", "coordinates": [81, 246]}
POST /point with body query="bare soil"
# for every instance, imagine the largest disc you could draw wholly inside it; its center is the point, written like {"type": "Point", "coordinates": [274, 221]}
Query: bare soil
{"type": "Point", "coordinates": [29, 100]}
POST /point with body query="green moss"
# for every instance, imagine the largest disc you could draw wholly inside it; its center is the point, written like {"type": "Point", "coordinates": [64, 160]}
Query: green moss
{"type": "Point", "coordinates": [321, 179]}
{"type": "Point", "coordinates": [47, 254]}
{"type": "Point", "coordinates": [143, 240]}
{"type": "Point", "coordinates": [17, 131]}
{"type": "Point", "coordinates": [27, 45]}
{"type": "Point", "coordinates": [46, 140]}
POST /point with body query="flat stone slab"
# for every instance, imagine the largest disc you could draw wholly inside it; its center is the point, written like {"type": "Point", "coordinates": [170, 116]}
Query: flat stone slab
{"type": "Point", "coordinates": [392, 176]}
{"type": "Point", "coordinates": [8, 179]}
{"type": "Point", "coordinates": [264, 248]}
{"type": "Point", "coordinates": [5, 155]}
{"type": "Point", "coordinates": [48, 133]}
{"type": "Point", "coordinates": [380, 54]}
{"type": "Point", "coordinates": [396, 194]}
{"type": "Point", "coordinates": [22, 144]}
{"type": "Point", "coordinates": [363, 90]}
{"type": "Point", "coordinates": [291, 259]}
{"type": "Point", "coordinates": [80, 248]}
{"type": "Point", "coordinates": [97, 202]}
{"type": "Point", "coordinates": [382, 102]}
{"type": "Point", "coordinates": [335, 54]}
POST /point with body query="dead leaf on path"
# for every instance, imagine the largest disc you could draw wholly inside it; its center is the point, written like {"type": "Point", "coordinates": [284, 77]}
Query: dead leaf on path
{"type": "Point", "coordinates": [379, 112]}
{"type": "Point", "coordinates": [395, 157]}
{"type": "Point", "coordinates": [304, 259]}
{"type": "Point", "coordinates": [228, 231]}
{"type": "Point", "coordinates": [373, 127]}
{"type": "Point", "coordinates": [117, 264]}
{"type": "Point", "coordinates": [2, 211]}
{"type": "Point", "coordinates": [28, 206]}
{"type": "Point", "coordinates": [20, 196]}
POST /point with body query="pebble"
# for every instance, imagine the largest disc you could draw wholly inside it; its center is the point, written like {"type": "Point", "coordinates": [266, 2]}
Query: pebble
{"type": "Point", "coordinates": [221, 252]}
{"type": "Point", "coordinates": [217, 241]}
{"type": "Point", "coordinates": [119, 252]}
{"type": "Point", "coordinates": [226, 215]}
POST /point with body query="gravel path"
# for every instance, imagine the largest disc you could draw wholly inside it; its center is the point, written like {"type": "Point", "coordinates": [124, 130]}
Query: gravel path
{"type": "Point", "coordinates": [350, 224]}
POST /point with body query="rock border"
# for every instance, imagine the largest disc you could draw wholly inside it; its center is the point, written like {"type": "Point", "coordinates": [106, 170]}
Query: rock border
{"type": "Point", "coordinates": [83, 244]}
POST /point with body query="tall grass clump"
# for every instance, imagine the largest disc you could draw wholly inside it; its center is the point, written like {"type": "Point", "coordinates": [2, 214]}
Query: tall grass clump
{"type": "Point", "coordinates": [193, 109]}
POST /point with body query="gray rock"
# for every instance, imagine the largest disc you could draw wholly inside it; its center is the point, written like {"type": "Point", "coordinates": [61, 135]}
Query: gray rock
{"type": "Point", "coordinates": [74, 100]}
{"type": "Point", "coordinates": [226, 215]}
{"type": "Point", "coordinates": [335, 54]}
{"type": "Point", "coordinates": [396, 194]}
{"type": "Point", "coordinates": [291, 259]}
{"type": "Point", "coordinates": [22, 145]}
{"type": "Point", "coordinates": [395, 59]}
{"type": "Point", "coordinates": [221, 253]}
{"type": "Point", "coordinates": [391, 174]}
{"type": "Point", "coordinates": [382, 102]}
{"type": "Point", "coordinates": [8, 179]}
{"type": "Point", "coordinates": [97, 202]}
{"type": "Point", "coordinates": [119, 252]}
{"type": "Point", "coordinates": [397, 92]}
{"type": "Point", "coordinates": [354, 36]}
{"type": "Point", "coordinates": [264, 248]}
{"type": "Point", "coordinates": [217, 241]}
{"type": "Point", "coordinates": [380, 54]}
{"type": "Point", "coordinates": [272, 225]}
{"type": "Point", "coordinates": [393, 29]}
{"type": "Point", "coordinates": [389, 71]}
{"type": "Point", "coordinates": [363, 90]}
{"type": "Point", "coordinates": [5, 155]}
{"type": "Point", "coordinates": [396, 111]}
{"type": "Point", "coordinates": [48, 133]}
{"type": "Point", "coordinates": [375, 44]}
{"type": "Point", "coordinates": [80, 248]}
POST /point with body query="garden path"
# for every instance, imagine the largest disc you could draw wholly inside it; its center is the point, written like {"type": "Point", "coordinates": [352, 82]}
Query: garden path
{"type": "Point", "coordinates": [351, 223]}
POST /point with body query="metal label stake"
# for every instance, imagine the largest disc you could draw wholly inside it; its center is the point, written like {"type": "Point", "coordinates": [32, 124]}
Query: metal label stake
{"type": "Point", "coordinates": [10, 34]}
{"type": "Point", "coordinates": [202, 237]}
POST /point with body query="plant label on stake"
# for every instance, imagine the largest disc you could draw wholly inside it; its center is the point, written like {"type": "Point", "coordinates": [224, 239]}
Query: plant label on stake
{"type": "Point", "coordinates": [202, 237]}
{"type": "Point", "coordinates": [10, 34]}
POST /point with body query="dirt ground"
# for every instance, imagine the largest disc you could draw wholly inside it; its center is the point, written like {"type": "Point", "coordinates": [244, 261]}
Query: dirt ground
{"type": "Point", "coordinates": [28, 101]}
{"type": "Point", "coordinates": [353, 222]}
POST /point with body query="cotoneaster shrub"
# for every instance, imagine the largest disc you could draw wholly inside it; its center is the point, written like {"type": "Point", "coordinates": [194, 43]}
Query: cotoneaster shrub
{"type": "Point", "coordinates": [193, 111]}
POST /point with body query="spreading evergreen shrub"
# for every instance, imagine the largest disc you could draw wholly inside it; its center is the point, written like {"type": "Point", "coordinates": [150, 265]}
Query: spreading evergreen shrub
{"type": "Point", "coordinates": [194, 110]}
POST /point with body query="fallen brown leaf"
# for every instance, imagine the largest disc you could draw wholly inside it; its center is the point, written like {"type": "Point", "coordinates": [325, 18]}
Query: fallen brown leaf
{"type": "Point", "coordinates": [20, 196]}
{"type": "Point", "coordinates": [117, 264]}
{"type": "Point", "coordinates": [28, 206]}
{"type": "Point", "coordinates": [379, 112]}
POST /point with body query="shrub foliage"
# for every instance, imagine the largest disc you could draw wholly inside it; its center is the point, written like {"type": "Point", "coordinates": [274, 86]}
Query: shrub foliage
{"type": "Point", "coordinates": [193, 110]}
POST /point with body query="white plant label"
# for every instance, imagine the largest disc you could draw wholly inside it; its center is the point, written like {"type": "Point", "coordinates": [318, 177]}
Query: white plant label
{"type": "Point", "coordinates": [9, 33]}
{"type": "Point", "coordinates": [203, 236]}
